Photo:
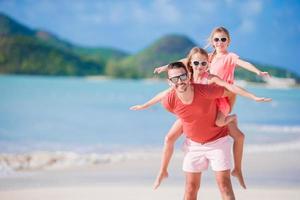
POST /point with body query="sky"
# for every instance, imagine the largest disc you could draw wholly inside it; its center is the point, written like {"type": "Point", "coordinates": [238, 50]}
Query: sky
{"type": "Point", "coordinates": [264, 31]}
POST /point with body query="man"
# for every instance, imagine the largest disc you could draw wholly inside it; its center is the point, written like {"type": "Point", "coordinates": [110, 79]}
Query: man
{"type": "Point", "coordinates": [194, 105]}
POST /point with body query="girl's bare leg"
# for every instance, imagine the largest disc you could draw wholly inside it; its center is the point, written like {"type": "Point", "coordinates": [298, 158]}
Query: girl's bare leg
{"type": "Point", "coordinates": [238, 146]}
{"type": "Point", "coordinates": [170, 139]}
{"type": "Point", "coordinates": [232, 100]}
{"type": "Point", "coordinates": [223, 120]}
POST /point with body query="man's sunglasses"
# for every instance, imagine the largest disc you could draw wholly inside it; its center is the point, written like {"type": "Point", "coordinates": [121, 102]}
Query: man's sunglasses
{"type": "Point", "coordinates": [220, 39]}
{"type": "Point", "coordinates": [182, 77]}
{"type": "Point", "coordinates": [196, 63]}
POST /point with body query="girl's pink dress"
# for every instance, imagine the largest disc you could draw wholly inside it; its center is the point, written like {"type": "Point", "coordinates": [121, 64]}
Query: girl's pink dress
{"type": "Point", "coordinates": [204, 78]}
{"type": "Point", "coordinates": [224, 67]}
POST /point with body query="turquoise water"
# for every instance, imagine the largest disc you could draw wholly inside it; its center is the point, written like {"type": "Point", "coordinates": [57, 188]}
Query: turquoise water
{"type": "Point", "coordinates": [59, 113]}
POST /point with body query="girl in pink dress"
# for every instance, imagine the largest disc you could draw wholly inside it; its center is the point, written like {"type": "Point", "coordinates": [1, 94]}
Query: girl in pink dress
{"type": "Point", "coordinates": [197, 63]}
{"type": "Point", "coordinates": [223, 64]}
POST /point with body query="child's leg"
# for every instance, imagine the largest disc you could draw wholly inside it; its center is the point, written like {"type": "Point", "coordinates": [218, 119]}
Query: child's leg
{"type": "Point", "coordinates": [223, 120]}
{"type": "Point", "coordinates": [223, 110]}
{"type": "Point", "coordinates": [238, 145]}
{"type": "Point", "coordinates": [232, 99]}
{"type": "Point", "coordinates": [170, 139]}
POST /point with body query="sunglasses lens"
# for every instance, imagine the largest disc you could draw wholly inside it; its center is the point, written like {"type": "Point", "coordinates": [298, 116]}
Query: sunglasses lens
{"type": "Point", "coordinates": [196, 63]}
{"type": "Point", "coordinates": [204, 63]}
{"type": "Point", "coordinates": [220, 39]}
{"type": "Point", "coordinates": [174, 79]}
{"type": "Point", "coordinates": [183, 77]}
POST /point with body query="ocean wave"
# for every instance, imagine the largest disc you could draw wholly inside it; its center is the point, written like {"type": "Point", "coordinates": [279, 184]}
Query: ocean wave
{"type": "Point", "coordinates": [10, 163]}
{"type": "Point", "coordinates": [275, 147]}
{"type": "Point", "coordinates": [44, 160]}
{"type": "Point", "coordinates": [272, 128]}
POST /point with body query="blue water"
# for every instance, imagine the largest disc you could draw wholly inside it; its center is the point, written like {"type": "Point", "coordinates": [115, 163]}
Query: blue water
{"type": "Point", "coordinates": [59, 113]}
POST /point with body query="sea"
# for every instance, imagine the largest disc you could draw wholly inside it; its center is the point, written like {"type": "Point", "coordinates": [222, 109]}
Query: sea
{"type": "Point", "coordinates": [92, 115]}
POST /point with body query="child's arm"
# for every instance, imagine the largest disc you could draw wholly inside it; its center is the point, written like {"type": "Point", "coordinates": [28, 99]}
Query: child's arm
{"type": "Point", "coordinates": [163, 68]}
{"type": "Point", "coordinates": [170, 139]}
{"type": "Point", "coordinates": [248, 66]}
{"type": "Point", "coordinates": [157, 98]}
{"type": "Point", "coordinates": [236, 89]}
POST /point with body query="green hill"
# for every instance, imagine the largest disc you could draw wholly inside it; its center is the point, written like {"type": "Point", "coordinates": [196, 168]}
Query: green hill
{"type": "Point", "coordinates": [27, 51]}
{"type": "Point", "coordinates": [26, 55]}
{"type": "Point", "coordinates": [166, 49]}
{"type": "Point", "coordinates": [99, 54]}
{"type": "Point", "coordinates": [11, 27]}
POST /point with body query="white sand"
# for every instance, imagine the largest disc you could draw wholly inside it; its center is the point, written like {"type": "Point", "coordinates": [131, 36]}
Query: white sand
{"type": "Point", "coordinates": [272, 175]}
{"type": "Point", "coordinates": [139, 192]}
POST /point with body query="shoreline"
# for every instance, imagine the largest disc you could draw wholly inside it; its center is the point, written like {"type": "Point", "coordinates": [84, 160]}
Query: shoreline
{"type": "Point", "coordinates": [260, 168]}
{"type": "Point", "coordinates": [38, 160]}
{"type": "Point", "coordinates": [239, 82]}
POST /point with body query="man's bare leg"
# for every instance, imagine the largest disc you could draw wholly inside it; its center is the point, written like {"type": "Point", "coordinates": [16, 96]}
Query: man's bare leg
{"type": "Point", "coordinates": [224, 184]}
{"type": "Point", "coordinates": [192, 185]}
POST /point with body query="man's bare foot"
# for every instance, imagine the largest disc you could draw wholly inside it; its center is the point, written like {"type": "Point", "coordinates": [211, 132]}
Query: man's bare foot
{"type": "Point", "coordinates": [239, 175]}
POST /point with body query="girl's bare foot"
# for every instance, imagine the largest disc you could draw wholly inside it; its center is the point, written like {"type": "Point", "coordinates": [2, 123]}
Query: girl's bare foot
{"type": "Point", "coordinates": [231, 118]}
{"type": "Point", "coordinates": [239, 175]}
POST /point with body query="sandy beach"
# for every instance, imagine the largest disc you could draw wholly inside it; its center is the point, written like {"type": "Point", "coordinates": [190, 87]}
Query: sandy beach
{"type": "Point", "coordinates": [269, 175]}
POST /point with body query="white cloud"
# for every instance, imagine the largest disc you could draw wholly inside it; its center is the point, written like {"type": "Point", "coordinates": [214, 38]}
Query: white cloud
{"type": "Point", "coordinates": [207, 6]}
{"type": "Point", "coordinates": [249, 12]}
{"type": "Point", "coordinates": [166, 11]}
{"type": "Point", "coordinates": [229, 2]}
{"type": "Point", "coordinates": [91, 18]}
{"type": "Point", "coordinates": [247, 26]}
{"type": "Point", "coordinates": [135, 12]}
{"type": "Point", "coordinates": [251, 7]}
{"type": "Point", "coordinates": [139, 13]}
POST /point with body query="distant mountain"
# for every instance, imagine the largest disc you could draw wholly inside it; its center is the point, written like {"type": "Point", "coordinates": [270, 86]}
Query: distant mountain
{"type": "Point", "coordinates": [100, 54]}
{"type": "Point", "coordinates": [164, 50]}
{"type": "Point", "coordinates": [27, 55]}
{"type": "Point", "coordinates": [9, 27]}
{"type": "Point", "coordinates": [27, 51]}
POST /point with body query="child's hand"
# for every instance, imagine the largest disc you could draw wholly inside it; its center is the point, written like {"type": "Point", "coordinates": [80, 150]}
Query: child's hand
{"type": "Point", "coordinates": [262, 99]}
{"type": "Point", "coordinates": [137, 107]}
{"type": "Point", "coordinates": [159, 178]}
{"type": "Point", "coordinates": [159, 70]}
{"type": "Point", "coordinates": [264, 74]}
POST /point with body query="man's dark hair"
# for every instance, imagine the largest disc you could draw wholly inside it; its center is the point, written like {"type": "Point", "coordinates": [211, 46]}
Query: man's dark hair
{"type": "Point", "coordinates": [176, 65]}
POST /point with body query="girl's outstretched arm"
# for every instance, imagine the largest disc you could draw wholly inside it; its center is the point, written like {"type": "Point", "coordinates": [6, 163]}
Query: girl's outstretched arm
{"type": "Point", "coordinates": [163, 68]}
{"type": "Point", "coordinates": [236, 89]}
{"type": "Point", "coordinates": [248, 66]}
{"type": "Point", "coordinates": [157, 98]}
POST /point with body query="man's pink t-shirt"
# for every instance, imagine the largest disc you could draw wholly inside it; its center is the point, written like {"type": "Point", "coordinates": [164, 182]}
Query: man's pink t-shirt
{"type": "Point", "coordinates": [198, 118]}
{"type": "Point", "coordinates": [224, 66]}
